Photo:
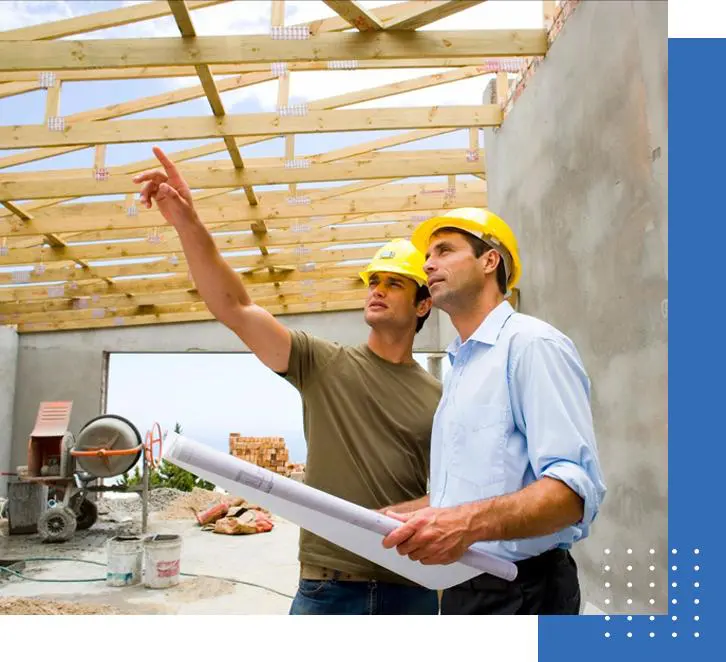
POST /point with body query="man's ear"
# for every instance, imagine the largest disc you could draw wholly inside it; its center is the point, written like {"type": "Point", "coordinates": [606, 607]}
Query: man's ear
{"type": "Point", "coordinates": [423, 307]}
{"type": "Point", "coordinates": [490, 261]}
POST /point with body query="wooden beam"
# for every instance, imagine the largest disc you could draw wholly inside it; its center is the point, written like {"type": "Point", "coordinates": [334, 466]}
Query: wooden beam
{"type": "Point", "coordinates": [185, 94]}
{"type": "Point", "coordinates": [97, 21]}
{"type": "Point", "coordinates": [184, 22]}
{"type": "Point", "coordinates": [258, 49]}
{"type": "Point", "coordinates": [29, 79]}
{"type": "Point", "coordinates": [351, 12]}
{"type": "Point", "coordinates": [174, 280]}
{"type": "Point", "coordinates": [52, 101]}
{"type": "Point", "coordinates": [251, 125]}
{"type": "Point", "coordinates": [129, 108]}
{"type": "Point", "coordinates": [13, 311]}
{"type": "Point", "coordinates": [294, 224]}
{"type": "Point", "coordinates": [177, 318]}
{"type": "Point", "coordinates": [372, 148]}
{"type": "Point", "coordinates": [235, 242]}
{"type": "Point", "coordinates": [11, 89]}
{"type": "Point", "coordinates": [184, 302]}
{"type": "Point", "coordinates": [329, 212]}
{"type": "Point", "coordinates": [502, 87]}
{"type": "Point", "coordinates": [112, 215]}
{"type": "Point", "coordinates": [418, 18]}
{"type": "Point", "coordinates": [421, 163]}
{"type": "Point", "coordinates": [16, 211]}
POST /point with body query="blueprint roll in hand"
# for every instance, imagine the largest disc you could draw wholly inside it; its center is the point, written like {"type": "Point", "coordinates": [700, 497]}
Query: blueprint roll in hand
{"type": "Point", "coordinates": [353, 527]}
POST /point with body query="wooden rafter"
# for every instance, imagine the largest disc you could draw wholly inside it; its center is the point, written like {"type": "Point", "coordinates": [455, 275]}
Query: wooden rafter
{"type": "Point", "coordinates": [351, 12]}
{"type": "Point", "coordinates": [421, 16]}
{"type": "Point", "coordinates": [250, 125]}
{"type": "Point", "coordinates": [106, 217]}
{"type": "Point", "coordinates": [409, 164]}
{"type": "Point", "coordinates": [197, 91]}
{"type": "Point", "coordinates": [184, 22]}
{"type": "Point", "coordinates": [258, 49]}
{"type": "Point", "coordinates": [109, 263]}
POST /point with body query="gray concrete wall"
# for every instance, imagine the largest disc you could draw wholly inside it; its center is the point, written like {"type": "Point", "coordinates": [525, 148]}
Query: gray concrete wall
{"type": "Point", "coordinates": [8, 365]}
{"type": "Point", "coordinates": [579, 168]}
{"type": "Point", "coordinates": [71, 365]}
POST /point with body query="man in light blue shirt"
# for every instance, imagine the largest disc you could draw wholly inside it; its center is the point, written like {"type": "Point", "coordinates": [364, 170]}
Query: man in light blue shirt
{"type": "Point", "coordinates": [514, 462]}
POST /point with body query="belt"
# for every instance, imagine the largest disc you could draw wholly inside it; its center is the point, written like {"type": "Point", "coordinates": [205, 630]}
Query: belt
{"type": "Point", "coordinates": [318, 573]}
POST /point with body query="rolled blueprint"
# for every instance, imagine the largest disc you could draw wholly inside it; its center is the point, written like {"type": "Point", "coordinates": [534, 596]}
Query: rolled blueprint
{"type": "Point", "coordinates": [348, 525]}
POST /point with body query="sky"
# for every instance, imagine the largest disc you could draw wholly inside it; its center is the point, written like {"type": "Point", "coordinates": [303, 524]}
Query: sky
{"type": "Point", "coordinates": [211, 395]}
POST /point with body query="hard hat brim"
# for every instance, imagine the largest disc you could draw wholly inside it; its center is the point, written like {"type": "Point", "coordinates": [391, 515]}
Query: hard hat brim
{"type": "Point", "coordinates": [391, 269]}
{"type": "Point", "coordinates": [422, 234]}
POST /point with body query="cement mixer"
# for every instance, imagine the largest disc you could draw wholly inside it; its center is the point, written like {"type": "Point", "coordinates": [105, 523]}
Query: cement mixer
{"type": "Point", "coordinates": [105, 447]}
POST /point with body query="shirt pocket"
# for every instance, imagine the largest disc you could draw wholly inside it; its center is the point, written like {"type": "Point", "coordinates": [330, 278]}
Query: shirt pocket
{"type": "Point", "coordinates": [477, 460]}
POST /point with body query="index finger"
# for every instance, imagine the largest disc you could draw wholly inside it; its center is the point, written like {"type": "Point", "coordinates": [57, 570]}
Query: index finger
{"type": "Point", "coordinates": [165, 161]}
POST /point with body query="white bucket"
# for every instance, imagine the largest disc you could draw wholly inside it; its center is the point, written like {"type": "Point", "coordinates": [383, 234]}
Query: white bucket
{"type": "Point", "coordinates": [162, 559]}
{"type": "Point", "coordinates": [123, 561]}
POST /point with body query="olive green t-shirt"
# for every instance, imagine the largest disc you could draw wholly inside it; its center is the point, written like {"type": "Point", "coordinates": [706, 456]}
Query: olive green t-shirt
{"type": "Point", "coordinates": [368, 428]}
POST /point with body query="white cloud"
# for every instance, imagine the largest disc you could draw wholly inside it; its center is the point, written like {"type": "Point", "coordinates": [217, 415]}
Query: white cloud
{"type": "Point", "coordinates": [19, 14]}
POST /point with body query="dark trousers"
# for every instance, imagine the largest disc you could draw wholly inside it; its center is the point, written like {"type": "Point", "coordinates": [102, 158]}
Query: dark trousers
{"type": "Point", "coordinates": [545, 584]}
{"type": "Point", "coordinates": [333, 597]}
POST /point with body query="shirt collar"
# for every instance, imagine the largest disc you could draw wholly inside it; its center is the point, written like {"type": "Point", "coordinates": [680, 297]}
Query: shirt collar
{"type": "Point", "coordinates": [488, 330]}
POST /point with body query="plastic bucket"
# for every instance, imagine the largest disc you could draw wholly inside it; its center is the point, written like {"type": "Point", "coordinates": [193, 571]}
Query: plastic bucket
{"type": "Point", "coordinates": [123, 561]}
{"type": "Point", "coordinates": [162, 560]}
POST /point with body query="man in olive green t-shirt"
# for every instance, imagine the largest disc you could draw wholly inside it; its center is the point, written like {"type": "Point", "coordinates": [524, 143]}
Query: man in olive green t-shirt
{"type": "Point", "coordinates": [368, 410]}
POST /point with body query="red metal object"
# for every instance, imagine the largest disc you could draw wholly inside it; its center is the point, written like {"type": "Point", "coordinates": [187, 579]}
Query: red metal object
{"type": "Point", "coordinates": [153, 438]}
{"type": "Point", "coordinates": [53, 419]}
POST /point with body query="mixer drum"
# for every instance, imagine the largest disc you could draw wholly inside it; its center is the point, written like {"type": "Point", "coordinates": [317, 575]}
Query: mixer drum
{"type": "Point", "coordinates": [112, 433]}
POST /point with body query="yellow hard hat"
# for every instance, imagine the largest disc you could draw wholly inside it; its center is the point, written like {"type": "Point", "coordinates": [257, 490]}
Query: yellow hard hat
{"type": "Point", "coordinates": [399, 257]}
{"type": "Point", "coordinates": [482, 224]}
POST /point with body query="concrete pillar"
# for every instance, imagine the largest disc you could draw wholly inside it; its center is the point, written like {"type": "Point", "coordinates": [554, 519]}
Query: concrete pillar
{"type": "Point", "coordinates": [433, 365]}
{"type": "Point", "coordinates": [8, 371]}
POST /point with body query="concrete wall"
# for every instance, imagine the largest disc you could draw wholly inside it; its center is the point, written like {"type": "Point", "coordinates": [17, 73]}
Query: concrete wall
{"type": "Point", "coordinates": [71, 365]}
{"type": "Point", "coordinates": [8, 365]}
{"type": "Point", "coordinates": [579, 168]}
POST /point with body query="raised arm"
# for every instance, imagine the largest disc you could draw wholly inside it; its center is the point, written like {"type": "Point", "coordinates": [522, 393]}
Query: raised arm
{"type": "Point", "coordinates": [217, 283]}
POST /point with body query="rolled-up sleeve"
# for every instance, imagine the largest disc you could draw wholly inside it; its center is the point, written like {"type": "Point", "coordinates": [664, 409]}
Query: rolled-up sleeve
{"type": "Point", "coordinates": [551, 406]}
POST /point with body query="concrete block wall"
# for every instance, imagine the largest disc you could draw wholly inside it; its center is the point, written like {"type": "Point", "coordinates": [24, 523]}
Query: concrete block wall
{"type": "Point", "coordinates": [579, 168]}
{"type": "Point", "coordinates": [8, 368]}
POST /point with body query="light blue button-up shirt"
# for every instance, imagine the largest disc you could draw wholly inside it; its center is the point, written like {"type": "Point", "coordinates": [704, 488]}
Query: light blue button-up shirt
{"type": "Point", "coordinates": [515, 407]}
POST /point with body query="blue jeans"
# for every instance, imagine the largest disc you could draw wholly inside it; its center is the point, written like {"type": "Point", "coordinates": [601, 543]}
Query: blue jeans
{"type": "Point", "coordinates": [333, 597]}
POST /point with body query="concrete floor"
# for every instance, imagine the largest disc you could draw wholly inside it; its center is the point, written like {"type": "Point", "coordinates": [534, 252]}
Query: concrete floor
{"type": "Point", "coordinates": [268, 559]}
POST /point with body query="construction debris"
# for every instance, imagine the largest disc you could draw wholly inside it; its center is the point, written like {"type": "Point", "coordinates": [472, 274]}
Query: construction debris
{"type": "Point", "coordinates": [188, 504]}
{"type": "Point", "coordinates": [242, 523]}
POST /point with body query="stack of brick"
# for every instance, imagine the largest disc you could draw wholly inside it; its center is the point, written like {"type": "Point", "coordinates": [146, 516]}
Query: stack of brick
{"type": "Point", "coordinates": [267, 452]}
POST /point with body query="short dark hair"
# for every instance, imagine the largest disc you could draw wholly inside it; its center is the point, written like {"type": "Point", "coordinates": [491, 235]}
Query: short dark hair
{"type": "Point", "coordinates": [479, 246]}
{"type": "Point", "coordinates": [422, 293]}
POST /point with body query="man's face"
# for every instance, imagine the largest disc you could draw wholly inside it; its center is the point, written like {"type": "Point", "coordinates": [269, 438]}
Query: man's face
{"type": "Point", "coordinates": [391, 301]}
{"type": "Point", "coordinates": [454, 273]}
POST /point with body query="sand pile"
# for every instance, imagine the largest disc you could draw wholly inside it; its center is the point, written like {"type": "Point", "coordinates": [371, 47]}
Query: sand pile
{"type": "Point", "coordinates": [201, 588]}
{"type": "Point", "coordinates": [29, 606]}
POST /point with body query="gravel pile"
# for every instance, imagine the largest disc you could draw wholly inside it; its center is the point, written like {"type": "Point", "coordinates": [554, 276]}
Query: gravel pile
{"type": "Point", "coordinates": [162, 497]}
{"type": "Point", "coordinates": [159, 499]}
